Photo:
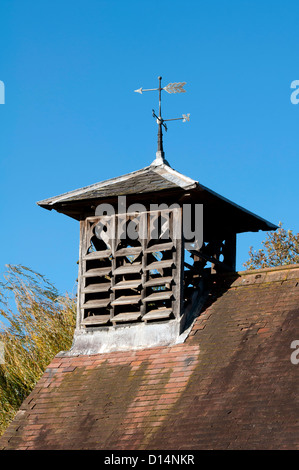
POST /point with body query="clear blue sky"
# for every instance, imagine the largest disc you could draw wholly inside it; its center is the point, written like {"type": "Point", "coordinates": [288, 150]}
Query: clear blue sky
{"type": "Point", "coordinates": [71, 117]}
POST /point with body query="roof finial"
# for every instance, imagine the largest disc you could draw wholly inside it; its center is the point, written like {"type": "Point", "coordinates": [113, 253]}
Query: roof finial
{"type": "Point", "coordinates": [170, 88]}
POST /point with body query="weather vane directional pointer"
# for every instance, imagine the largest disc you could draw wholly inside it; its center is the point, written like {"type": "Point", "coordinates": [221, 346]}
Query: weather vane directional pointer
{"type": "Point", "coordinates": [170, 88]}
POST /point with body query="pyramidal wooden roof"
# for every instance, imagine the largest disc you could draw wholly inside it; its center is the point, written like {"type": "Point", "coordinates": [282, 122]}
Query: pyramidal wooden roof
{"type": "Point", "coordinates": [147, 180]}
{"type": "Point", "coordinates": [230, 385]}
{"type": "Point", "coordinates": [154, 179]}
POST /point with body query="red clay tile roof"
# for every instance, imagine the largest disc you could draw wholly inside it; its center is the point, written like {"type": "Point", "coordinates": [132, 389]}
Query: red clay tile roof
{"type": "Point", "coordinates": [230, 385]}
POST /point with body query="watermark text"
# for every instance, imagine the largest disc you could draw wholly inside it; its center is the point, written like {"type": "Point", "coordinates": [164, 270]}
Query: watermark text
{"type": "Point", "coordinates": [2, 93]}
{"type": "Point", "coordinates": [294, 95]}
{"type": "Point", "coordinates": [159, 222]}
{"type": "Point", "coordinates": [295, 354]}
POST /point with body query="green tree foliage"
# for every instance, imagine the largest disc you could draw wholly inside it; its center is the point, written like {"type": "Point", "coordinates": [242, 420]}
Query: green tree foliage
{"type": "Point", "coordinates": [37, 324]}
{"type": "Point", "coordinates": [279, 248]}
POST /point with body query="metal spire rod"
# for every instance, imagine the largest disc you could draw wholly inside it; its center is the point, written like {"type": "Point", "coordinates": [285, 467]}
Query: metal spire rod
{"type": "Point", "coordinates": [170, 88]}
{"type": "Point", "coordinates": [160, 153]}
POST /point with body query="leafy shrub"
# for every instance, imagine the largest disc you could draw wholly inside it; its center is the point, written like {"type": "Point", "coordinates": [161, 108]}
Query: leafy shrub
{"type": "Point", "coordinates": [279, 248]}
{"type": "Point", "coordinates": [34, 330]}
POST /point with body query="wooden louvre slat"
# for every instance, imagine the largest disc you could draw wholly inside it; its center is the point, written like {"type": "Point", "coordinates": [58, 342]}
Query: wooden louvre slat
{"type": "Point", "coordinates": [126, 317]}
{"type": "Point", "coordinates": [97, 255]}
{"type": "Point", "coordinates": [134, 250]}
{"type": "Point", "coordinates": [128, 268]}
{"type": "Point", "coordinates": [160, 313]}
{"type": "Point", "coordinates": [96, 320]}
{"type": "Point", "coordinates": [168, 263]}
{"type": "Point", "coordinates": [98, 272]}
{"type": "Point", "coordinates": [131, 284]}
{"type": "Point", "coordinates": [103, 287]}
{"type": "Point", "coordinates": [126, 300]}
{"type": "Point", "coordinates": [160, 295]}
{"type": "Point", "coordinates": [97, 303]}
{"type": "Point", "coordinates": [159, 247]}
{"type": "Point", "coordinates": [158, 281]}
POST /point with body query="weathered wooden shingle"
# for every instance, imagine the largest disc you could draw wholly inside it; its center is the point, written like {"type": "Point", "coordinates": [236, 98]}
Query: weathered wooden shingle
{"type": "Point", "coordinates": [148, 179]}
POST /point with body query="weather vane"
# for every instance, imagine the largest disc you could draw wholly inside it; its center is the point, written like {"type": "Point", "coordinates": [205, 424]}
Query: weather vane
{"type": "Point", "coordinates": [170, 88]}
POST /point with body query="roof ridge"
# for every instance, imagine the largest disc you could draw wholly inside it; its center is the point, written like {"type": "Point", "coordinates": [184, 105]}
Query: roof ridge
{"type": "Point", "coordinates": [248, 272]}
{"type": "Point", "coordinates": [277, 274]}
{"type": "Point", "coordinates": [269, 269]}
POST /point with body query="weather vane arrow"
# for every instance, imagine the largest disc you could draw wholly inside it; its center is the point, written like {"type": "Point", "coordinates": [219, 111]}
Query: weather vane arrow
{"type": "Point", "coordinates": [177, 87]}
{"type": "Point", "coordinates": [170, 88]}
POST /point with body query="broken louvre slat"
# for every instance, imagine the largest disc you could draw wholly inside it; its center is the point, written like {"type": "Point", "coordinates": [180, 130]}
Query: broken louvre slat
{"type": "Point", "coordinates": [96, 320]}
{"type": "Point", "coordinates": [98, 272]}
{"type": "Point", "coordinates": [97, 255]}
{"type": "Point", "coordinates": [126, 317]}
{"type": "Point", "coordinates": [211, 259]}
{"type": "Point", "coordinates": [126, 300]}
{"type": "Point", "coordinates": [160, 313]}
{"type": "Point", "coordinates": [158, 281]}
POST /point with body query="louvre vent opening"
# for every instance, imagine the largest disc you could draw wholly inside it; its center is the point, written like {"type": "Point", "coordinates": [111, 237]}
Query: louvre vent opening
{"type": "Point", "coordinates": [130, 268]}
